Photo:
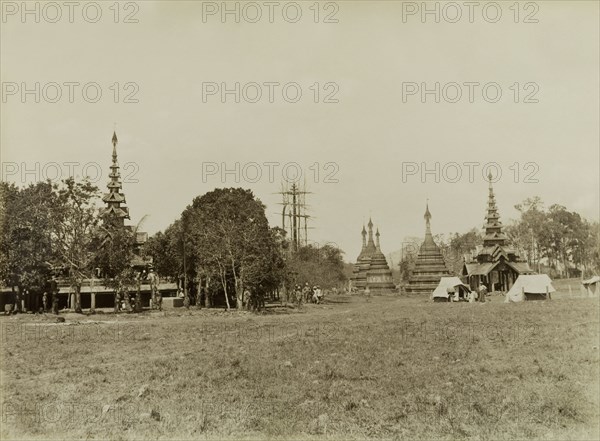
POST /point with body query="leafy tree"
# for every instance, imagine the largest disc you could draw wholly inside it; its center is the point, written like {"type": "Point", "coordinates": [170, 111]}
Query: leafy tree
{"type": "Point", "coordinates": [114, 245]}
{"type": "Point", "coordinates": [528, 233]}
{"type": "Point", "coordinates": [564, 233]}
{"type": "Point", "coordinates": [459, 246]}
{"type": "Point", "coordinates": [74, 223]}
{"type": "Point", "coordinates": [319, 265]}
{"type": "Point", "coordinates": [556, 234]}
{"type": "Point", "coordinates": [230, 240]}
{"type": "Point", "coordinates": [25, 245]}
{"type": "Point", "coordinates": [166, 250]}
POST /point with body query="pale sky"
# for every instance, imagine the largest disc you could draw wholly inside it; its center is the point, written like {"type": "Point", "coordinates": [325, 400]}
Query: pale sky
{"type": "Point", "coordinates": [370, 55]}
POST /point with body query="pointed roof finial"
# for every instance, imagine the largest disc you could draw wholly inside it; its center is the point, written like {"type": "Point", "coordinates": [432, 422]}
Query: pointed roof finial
{"type": "Point", "coordinates": [114, 138]}
{"type": "Point", "coordinates": [364, 231]}
{"type": "Point", "coordinates": [371, 244]}
{"type": "Point", "coordinates": [427, 216]}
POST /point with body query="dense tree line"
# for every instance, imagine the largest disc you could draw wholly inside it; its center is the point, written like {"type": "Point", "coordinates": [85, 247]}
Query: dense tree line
{"type": "Point", "coordinates": [562, 240]}
{"type": "Point", "coordinates": [53, 230]}
{"type": "Point", "coordinates": [317, 265]}
{"type": "Point", "coordinates": [222, 251]}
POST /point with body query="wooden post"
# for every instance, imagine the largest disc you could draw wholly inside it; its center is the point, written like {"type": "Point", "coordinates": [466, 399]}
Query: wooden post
{"type": "Point", "coordinates": [548, 293]}
{"type": "Point", "coordinates": [523, 292]}
{"type": "Point", "coordinates": [93, 301]}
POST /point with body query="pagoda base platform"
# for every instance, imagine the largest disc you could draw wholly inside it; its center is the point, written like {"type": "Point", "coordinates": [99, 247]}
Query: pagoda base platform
{"type": "Point", "coordinates": [421, 289]}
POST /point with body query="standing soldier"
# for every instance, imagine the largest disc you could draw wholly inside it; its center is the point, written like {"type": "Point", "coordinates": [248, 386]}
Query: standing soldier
{"type": "Point", "coordinates": [450, 292]}
{"type": "Point", "coordinates": [156, 296]}
{"type": "Point", "coordinates": [138, 292]}
{"type": "Point", "coordinates": [55, 303]}
{"type": "Point", "coordinates": [45, 301]}
{"type": "Point", "coordinates": [118, 298]}
{"type": "Point", "coordinates": [248, 300]}
{"type": "Point", "coordinates": [315, 297]}
{"type": "Point", "coordinates": [306, 293]}
{"type": "Point", "coordinates": [482, 293]}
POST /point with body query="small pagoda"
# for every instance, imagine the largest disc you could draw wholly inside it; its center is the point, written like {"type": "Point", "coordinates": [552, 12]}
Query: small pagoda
{"type": "Point", "coordinates": [371, 268]}
{"type": "Point", "coordinates": [430, 266]}
{"type": "Point", "coordinates": [494, 263]}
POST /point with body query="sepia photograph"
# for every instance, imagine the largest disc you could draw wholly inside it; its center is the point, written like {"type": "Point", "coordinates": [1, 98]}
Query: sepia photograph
{"type": "Point", "coordinates": [235, 220]}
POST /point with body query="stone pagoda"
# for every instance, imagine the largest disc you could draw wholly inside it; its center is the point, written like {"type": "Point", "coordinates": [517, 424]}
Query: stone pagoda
{"type": "Point", "coordinates": [494, 264]}
{"type": "Point", "coordinates": [371, 268]}
{"type": "Point", "coordinates": [429, 266]}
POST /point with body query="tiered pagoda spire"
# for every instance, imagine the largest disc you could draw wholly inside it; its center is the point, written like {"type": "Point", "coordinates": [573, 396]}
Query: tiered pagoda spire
{"type": "Point", "coordinates": [493, 226]}
{"type": "Point", "coordinates": [364, 238]}
{"type": "Point", "coordinates": [115, 209]}
{"type": "Point", "coordinates": [371, 268]}
{"type": "Point", "coordinates": [429, 266]}
{"type": "Point", "coordinates": [371, 248]}
{"type": "Point", "coordinates": [496, 264]}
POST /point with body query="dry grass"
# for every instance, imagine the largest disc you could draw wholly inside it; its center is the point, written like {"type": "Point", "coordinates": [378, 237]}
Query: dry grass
{"type": "Point", "coordinates": [389, 368]}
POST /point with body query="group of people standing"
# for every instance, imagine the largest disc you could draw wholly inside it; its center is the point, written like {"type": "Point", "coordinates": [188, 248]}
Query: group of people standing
{"type": "Point", "coordinates": [22, 300]}
{"type": "Point", "coordinates": [306, 294]}
{"type": "Point", "coordinates": [477, 295]}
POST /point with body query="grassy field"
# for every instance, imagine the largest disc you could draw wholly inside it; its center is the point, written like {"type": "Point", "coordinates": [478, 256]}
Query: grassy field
{"type": "Point", "coordinates": [387, 368]}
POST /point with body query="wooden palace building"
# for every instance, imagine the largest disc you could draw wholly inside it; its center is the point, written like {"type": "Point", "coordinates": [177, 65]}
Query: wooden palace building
{"type": "Point", "coordinates": [494, 263]}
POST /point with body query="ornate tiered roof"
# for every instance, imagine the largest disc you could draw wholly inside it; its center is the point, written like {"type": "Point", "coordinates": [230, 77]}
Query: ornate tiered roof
{"type": "Point", "coordinates": [429, 266]}
{"type": "Point", "coordinates": [494, 253]}
{"type": "Point", "coordinates": [493, 226]}
{"type": "Point", "coordinates": [114, 210]}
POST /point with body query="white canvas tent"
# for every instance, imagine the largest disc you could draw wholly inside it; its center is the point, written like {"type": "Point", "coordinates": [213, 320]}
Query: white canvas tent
{"type": "Point", "coordinates": [592, 286]}
{"type": "Point", "coordinates": [529, 287]}
{"type": "Point", "coordinates": [441, 292]}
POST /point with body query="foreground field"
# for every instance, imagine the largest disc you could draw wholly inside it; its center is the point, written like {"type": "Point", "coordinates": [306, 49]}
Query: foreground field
{"type": "Point", "coordinates": [387, 368]}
